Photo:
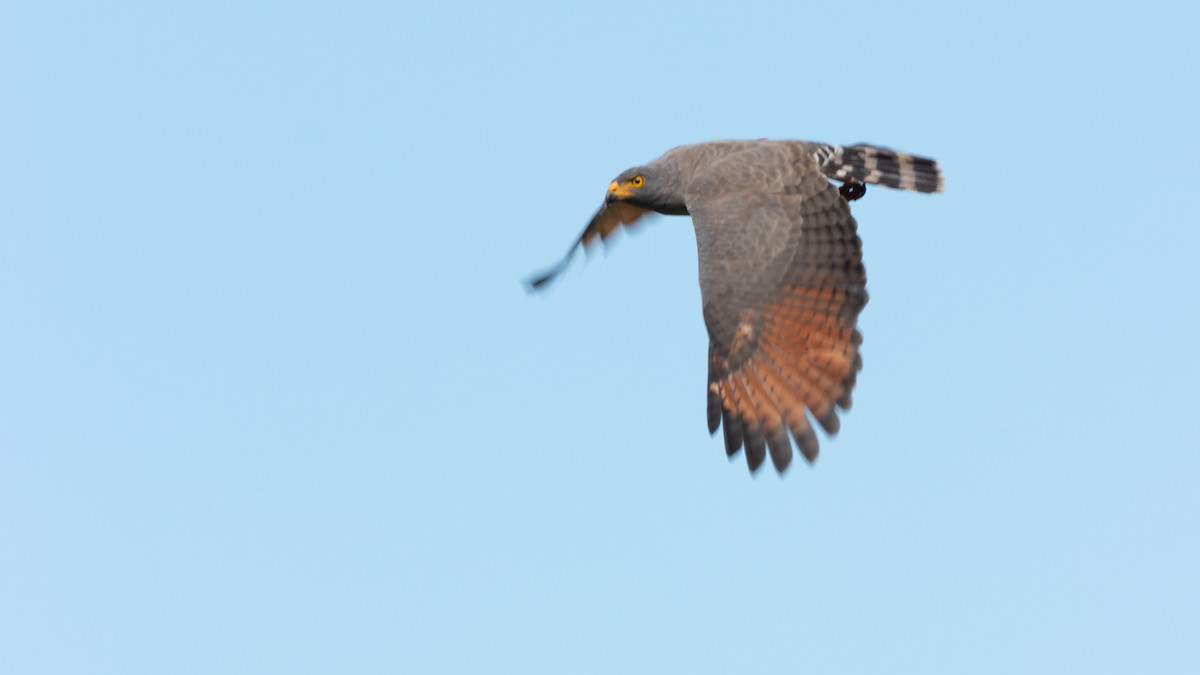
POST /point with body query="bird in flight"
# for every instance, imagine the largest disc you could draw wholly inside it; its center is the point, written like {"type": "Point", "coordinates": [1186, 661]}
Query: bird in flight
{"type": "Point", "coordinates": [781, 274]}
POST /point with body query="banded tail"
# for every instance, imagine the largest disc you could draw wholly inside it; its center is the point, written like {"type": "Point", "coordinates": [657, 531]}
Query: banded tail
{"type": "Point", "coordinates": [882, 166]}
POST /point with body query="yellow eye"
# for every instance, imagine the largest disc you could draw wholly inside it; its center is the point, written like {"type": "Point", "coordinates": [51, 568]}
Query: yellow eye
{"type": "Point", "coordinates": [638, 181]}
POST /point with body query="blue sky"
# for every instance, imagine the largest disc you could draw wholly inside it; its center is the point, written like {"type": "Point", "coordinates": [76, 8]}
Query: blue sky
{"type": "Point", "coordinates": [272, 398]}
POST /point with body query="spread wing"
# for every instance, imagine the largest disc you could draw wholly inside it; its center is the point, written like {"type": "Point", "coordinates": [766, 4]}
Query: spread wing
{"type": "Point", "coordinates": [606, 221]}
{"type": "Point", "coordinates": [782, 283]}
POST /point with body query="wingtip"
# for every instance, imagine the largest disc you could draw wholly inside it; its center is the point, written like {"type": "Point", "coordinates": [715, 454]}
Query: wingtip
{"type": "Point", "coordinates": [714, 409]}
{"type": "Point", "coordinates": [537, 283]}
{"type": "Point", "coordinates": [542, 281]}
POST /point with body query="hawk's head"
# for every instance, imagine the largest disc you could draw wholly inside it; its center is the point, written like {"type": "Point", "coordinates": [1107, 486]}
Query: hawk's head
{"type": "Point", "coordinates": [627, 186]}
{"type": "Point", "coordinates": [652, 186]}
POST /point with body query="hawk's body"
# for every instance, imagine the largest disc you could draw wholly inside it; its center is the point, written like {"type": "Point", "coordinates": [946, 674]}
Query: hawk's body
{"type": "Point", "coordinates": [781, 274]}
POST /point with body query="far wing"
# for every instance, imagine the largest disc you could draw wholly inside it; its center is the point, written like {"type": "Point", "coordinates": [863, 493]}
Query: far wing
{"type": "Point", "coordinates": [603, 224]}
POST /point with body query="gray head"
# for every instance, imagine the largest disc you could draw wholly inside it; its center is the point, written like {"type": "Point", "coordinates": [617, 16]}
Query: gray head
{"type": "Point", "coordinates": [651, 186]}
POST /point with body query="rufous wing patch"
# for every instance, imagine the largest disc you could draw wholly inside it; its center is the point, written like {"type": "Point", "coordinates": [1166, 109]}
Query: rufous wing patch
{"type": "Point", "coordinates": [602, 225]}
{"type": "Point", "coordinates": [609, 218]}
{"type": "Point", "coordinates": [803, 362]}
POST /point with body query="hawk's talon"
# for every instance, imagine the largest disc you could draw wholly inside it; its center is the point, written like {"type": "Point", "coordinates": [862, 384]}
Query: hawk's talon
{"type": "Point", "coordinates": [852, 190]}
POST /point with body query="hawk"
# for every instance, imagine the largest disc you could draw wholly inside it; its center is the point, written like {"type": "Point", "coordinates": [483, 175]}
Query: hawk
{"type": "Point", "coordinates": [781, 274]}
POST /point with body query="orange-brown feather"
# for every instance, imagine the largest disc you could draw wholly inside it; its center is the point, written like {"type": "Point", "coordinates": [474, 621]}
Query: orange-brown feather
{"type": "Point", "coordinates": [753, 431]}
{"type": "Point", "coordinates": [823, 374]}
{"type": "Point", "coordinates": [610, 218]}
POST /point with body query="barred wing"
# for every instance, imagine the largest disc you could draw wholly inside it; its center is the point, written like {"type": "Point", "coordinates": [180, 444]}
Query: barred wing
{"type": "Point", "coordinates": [782, 284]}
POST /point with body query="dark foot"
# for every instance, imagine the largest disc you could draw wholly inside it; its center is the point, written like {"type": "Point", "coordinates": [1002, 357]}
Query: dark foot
{"type": "Point", "coordinates": [852, 190]}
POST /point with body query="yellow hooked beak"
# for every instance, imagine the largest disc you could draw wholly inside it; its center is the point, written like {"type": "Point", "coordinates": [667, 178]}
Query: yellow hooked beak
{"type": "Point", "coordinates": [618, 191]}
